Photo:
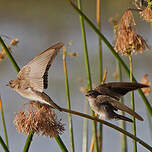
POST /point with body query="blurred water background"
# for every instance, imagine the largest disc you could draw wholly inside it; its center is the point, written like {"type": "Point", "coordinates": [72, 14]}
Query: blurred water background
{"type": "Point", "coordinates": [39, 24]}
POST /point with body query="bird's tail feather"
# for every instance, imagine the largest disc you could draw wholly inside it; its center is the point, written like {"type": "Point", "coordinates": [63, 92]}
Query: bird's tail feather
{"type": "Point", "coordinates": [49, 101]}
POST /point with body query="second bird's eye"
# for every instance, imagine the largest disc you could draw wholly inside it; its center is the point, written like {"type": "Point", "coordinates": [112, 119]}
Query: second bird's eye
{"type": "Point", "coordinates": [106, 107]}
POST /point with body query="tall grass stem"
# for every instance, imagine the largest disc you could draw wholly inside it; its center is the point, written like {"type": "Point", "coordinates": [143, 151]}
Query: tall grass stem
{"type": "Point", "coordinates": [3, 121]}
{"type": "Point", "coordinates": [98, 18]}
{"type": "Point", "coordinates": [68, 103]}
{"type": "Point", "coordinates": [3, 144]}
{"type": "Point", "coordinates": [132, 104]}
{"type": "Point", "coordinates": [28, 141]}
{"type": "Point", "coordinates": [9, 55]}
{"type": "Point", "coordinates": [122, 122]}
{"type": "Point", "coordinates": [94, 130]}
{"type": "Point", "coordinates": [149, 1]}
{"type": "Point", "coordinates": [61, 144]}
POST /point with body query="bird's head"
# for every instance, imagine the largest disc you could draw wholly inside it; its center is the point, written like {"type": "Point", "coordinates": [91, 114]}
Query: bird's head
{"type": "Point", "coordinates": [92, 94]}
{"type": "Point", "coordinates": [13, 84]}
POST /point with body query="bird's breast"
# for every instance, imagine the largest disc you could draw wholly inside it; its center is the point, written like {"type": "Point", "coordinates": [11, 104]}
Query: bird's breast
{"type": "Point", "coordinates": [98, 108]}
{"type": "Point", "coordinates": [28, 93]}
{"type": "Point", "coordinates": [93, 104]}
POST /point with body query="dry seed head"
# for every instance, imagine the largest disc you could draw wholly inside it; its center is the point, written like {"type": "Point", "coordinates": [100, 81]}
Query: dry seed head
{"type": "Point", "coordinates": [114, 20]}
{"type": "Point", "coordinates": [2, 57]}
{"type": "Point", "coordinates": [145, 80]}
{"type": "Point", "coordinates": [3, 53]}
{"type": "Point", "coordinates": [126, 40]}
{"type": "Point", "coordinates": [38, 118]}
{"type": "Point", "coordinates": [127, 19]}
{"type": "Point", "coordinates": [14, 42]}
{"type": "Point", "coordinates": [70, 43]}
{"type": "Point", "coordinates": [146, 14]}
{"type": "Point", "coordinates": [73, 54]}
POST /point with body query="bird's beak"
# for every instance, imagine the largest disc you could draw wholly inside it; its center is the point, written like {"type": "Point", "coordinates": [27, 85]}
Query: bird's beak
{"type": "Point", "coordinates": [6, 84]}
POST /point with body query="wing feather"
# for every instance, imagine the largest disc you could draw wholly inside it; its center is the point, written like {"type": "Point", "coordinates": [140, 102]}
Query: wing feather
{"type": "Point", "coordinates": [118, 89]}
{"type": "Point", "coordinates": [36, 71]}
{"type": "Point", "coordinates": [118, 105]}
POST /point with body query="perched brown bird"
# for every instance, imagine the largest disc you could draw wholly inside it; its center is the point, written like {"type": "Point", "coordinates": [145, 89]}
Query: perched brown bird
{"type": "Point", "coordinates": [104, 99]}
{"type": "Point", "coordinates": [33, 77]}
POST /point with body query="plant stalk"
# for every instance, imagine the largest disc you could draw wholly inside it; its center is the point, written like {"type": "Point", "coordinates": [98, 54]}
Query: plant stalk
{"type": "Point", "coordinates": [98, 18]}
{"type": "Point", "coordinates": [4, 124]}
{"type": "Point", "coordinates": [132, 104]}
{"type": "Point", "coordinates": [68, 103]}
{"type": "Point", "coordinates": [94, 130]}
{"type": "Point", "coordinates": [28, 141]}
{"type": "Point", "coordinates": [149, 6]}
{"type": "Point", "coordinates": [3, 144]}
{"type": "Point", "coordinates": [122, 122]}
{"type": "Point", "coordinates": [61, 144]}
{"type": "Point", "coordinates": [9, 55]}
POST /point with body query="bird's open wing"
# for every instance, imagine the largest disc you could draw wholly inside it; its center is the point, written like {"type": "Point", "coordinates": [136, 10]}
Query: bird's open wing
{"type": "Point", "coordinates": [118, 89]}
{"type": "Point", "coordinates": [118, 105]}
{"type": "Point", "coordinates": [36, 71]}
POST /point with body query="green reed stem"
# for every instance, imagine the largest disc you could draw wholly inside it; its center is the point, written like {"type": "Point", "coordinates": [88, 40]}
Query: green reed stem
{"type": "Point", "coordinates": [149, 6]}
{"type": "Point", "coordinates": [122, 122]}
{"type": "Point", "coordinates": [98, 18]}
{"type": "Point", "coordinates": [9, 55]}
{"type": "Point", "coordinates": [111, 126]}
{"type": "Point", "coordinates": [3, 144]}
{"type": "Point", "coordinates": [132, 104]}
{"type": "Point", "coordinates": [28, 141]}
{"type": "Point", "coordinates": [150, 124]}
{"type": "Point", "coordinates": [85, 130]}
{"type": "Point", "coordinates": [85, 48]}
{"type": "Point", "coordinates": [61, 144]}
{"type": "Point", "coordinates": [4, 124]}
{"type": "Point", "coordinates": [148, 106]}
{"type": "Point", "coordinates": [87, 71]}
{"type": "Point", "coordinates": [68, 103]}
{"type": "Point", "coordinates": [30, 136]}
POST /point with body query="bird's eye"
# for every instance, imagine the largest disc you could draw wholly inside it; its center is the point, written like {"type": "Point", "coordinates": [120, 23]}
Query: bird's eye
{"type": "Point", "coordinates": [106, 107]}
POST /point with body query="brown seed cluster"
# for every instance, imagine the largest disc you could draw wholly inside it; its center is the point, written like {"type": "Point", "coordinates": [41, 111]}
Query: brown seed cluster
{"type": "Point", "coordinates": [146, 14]}
{"type": "Point", "coordinates": [3, 53]}
{"type": "Point", "coordinates": [145, 80]}
{"type": "Point", "coordinates": [71, 54]}
{"type": "Point", "coordinates": [127, 41]}
{"type": "Point", "coordinates": [14, 42]}
{"type": "Point", "coordinates": [38, 118]}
